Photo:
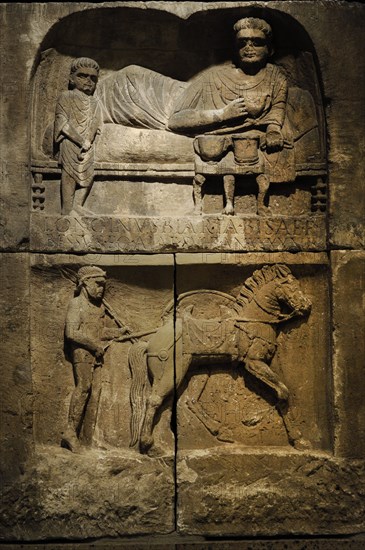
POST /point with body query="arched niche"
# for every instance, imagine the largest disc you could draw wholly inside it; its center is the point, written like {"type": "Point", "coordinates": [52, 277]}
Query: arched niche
{"type": "Point", "coordinates": [176, 48]}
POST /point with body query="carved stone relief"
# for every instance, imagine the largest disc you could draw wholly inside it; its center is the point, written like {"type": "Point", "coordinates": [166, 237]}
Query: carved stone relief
{"type": "Point", "coordinates": [85, 317]}
{"type": "Point", "coordinates": [254, 399]}
{"type": "Point", "coordinates": [237, 331]}
{"type": "Point", "coordinates": [184, 301]}
{"type": "Point", "coordinates": [165, 142]}
{"type": "Point", "coordinates": [78, 121]}
{"type": "Point", "coordinates": [202, 327]}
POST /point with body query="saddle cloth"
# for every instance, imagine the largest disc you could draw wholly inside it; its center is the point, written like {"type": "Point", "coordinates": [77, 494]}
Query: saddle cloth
{"type": "Point", "coordinates": [209, 336]}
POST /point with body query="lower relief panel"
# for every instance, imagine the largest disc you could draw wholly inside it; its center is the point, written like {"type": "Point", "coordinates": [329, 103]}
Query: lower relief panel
{"type": "Point", "coordinates": [254, 427]}
{"type": "Point", "coordinates": [193, 392]}
{"type": "Point", "coordinates": [88, 478]}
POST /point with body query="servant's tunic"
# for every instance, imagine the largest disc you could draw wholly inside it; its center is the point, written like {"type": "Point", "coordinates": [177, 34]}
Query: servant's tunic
{"type": "Point", "coordinates": [83, 114]}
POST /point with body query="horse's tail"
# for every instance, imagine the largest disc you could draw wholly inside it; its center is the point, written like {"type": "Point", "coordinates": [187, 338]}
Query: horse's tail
{"type": "Point", "coordinates": [137, 361]}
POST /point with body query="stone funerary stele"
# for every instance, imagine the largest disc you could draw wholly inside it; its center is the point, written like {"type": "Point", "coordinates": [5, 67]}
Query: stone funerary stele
{"type": "Point", "coordinates": [190, 266]}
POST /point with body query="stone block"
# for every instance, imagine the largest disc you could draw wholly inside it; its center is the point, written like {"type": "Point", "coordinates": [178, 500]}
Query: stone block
{"type": "Point", "coordinates": [182, 274]}
{"type": "Point", "coordinates": [348, 269]}
{"type": "Point", "coordinates": [86, 477]}
{"type": "Point", "coordinates": [242, 460]}
{"type": "Point", "coordinates": [269, 494]}
{"type": "Point", "coordinates": [16, 378]}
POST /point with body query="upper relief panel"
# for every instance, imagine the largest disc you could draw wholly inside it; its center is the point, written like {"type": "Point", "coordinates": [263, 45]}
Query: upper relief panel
{"type": "Point", "coordinates": [152, 133]}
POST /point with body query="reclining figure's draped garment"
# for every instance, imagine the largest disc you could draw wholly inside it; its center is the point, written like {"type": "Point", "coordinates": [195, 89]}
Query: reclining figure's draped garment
{"type": "Point", "coordinates": [142, 98]}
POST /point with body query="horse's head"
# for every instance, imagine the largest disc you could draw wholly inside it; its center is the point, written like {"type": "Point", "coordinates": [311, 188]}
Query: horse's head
{"type": "Point", "coordinates": [272, 294]}
{"type": "Point", "coordinates": [289, 293]}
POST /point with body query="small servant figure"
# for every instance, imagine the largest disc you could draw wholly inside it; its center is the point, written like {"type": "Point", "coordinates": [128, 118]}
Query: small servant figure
{"type": "Point", "coordinates": [77, 123]}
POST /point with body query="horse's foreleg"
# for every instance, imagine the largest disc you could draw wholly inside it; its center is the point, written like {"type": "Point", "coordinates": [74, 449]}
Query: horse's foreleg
{"type": "Point", "coordinates": [263, 372]}
{"type": "Point", "coordinates": [195, 407]}
{"type": "Point", "coordinates": [295, 436]}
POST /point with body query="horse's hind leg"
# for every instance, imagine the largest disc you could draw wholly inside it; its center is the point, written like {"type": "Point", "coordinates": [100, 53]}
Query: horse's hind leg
{"type": "Point", "coordinates": [162, 386]}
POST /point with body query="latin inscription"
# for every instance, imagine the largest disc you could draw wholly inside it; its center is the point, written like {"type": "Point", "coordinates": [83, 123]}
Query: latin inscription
{"type": "Point", "coordinates": [95, 234]}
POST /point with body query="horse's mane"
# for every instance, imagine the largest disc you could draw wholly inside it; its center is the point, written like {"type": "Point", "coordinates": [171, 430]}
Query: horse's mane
{"type": "Point", "coordinates": [260, 278]}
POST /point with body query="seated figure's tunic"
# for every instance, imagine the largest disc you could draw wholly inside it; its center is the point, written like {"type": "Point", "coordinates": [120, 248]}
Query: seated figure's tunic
{"type": "Point", "coordinates": [265, 100]}
{"type": "Point", "coordinates": [83, 114]}
{"type": "Point", "coordinates": [265, 96]}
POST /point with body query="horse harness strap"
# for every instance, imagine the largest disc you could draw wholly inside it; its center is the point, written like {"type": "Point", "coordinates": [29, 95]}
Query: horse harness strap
{"type": "Point", "coordinates": [163, 354]}
{"type": "Point", "coordinates": [252, 336]}
{"type": "Point", "coordinates": [253, 320]}
{"type": "Point", "coordinates": [261, 306]}
{"type": "Point", "coordinates": [266, 321]}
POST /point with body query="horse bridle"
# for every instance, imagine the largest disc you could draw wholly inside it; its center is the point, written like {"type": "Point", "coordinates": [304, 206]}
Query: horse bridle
{"type": "Point", "coordinates": [281, 319]}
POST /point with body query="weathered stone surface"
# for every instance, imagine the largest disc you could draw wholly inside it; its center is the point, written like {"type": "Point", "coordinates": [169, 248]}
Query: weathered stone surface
{"type": "Point", "coordinates": [95, 490]}
{"type": "Point", "coordinates": [137, 290]}
{"type": "Point", "coordinates": [16, 380]}
{"type": "Point", "coordinates": [349, 351]}
{"type": "Point", "coordinates": [15, 176]}
{"type": "Point", "coordinates": [152, 115]}
{"type": "Point", "coordinates": [133, 133]}
{"type": "Point", "coordinates": [343, 100]}
{"type": "Point", "coordinates": [270, 492]}
{"type": "Point", "coordinates": [152, 543]}
{"type": "Point", "coordinates": [227, 401]}
{"type": "Point", "coordinates": [166, 234]}
{"type": "Point", "coordinates": [344, 95]}
{"type": "Point", "coordinates": [285, 544]}
{"type": "Point", "coordinates": [235, 462]}
{"type": "Point", "coordinates": [64, 495]}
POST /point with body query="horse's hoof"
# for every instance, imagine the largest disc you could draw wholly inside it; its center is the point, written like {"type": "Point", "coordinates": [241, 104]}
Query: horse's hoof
{"type": "Point", "coordinates": [282, 392]}
{"type": "Point", "coordinates": [156, 452]}
{"type": "Point", "coordinates": [71, 443]}
{"type": "Point", "coordinates": [145, 445]}
{"type": "Point", "coordinates": [302, 444]}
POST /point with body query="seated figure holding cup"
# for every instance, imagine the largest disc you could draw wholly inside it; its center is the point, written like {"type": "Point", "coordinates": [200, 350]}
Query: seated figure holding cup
{"type": "Point", "coordinates": [239, 111]}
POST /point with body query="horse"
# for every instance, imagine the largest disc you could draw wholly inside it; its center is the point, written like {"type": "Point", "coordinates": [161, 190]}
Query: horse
{"type": "Point", "coordinates": [244, 333]}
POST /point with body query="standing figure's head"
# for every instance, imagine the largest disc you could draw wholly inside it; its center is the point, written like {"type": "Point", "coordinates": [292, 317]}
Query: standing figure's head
{"type": "Point", "coordinates": [253, 39]}
{"type": "Point", "coordinates": [92, 279]}
{"type": "Point", "coordinates": [84, 75]}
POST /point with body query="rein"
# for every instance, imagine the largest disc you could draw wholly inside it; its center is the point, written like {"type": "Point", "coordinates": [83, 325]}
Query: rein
{"type": "Point", "coordinates": [284, 318]}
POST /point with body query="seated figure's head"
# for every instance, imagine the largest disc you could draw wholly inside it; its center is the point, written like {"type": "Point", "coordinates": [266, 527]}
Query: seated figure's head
{"type": "Point", "coordinates": [84, 75]}
{"type": "Point", "coordinates": [253, 39]}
